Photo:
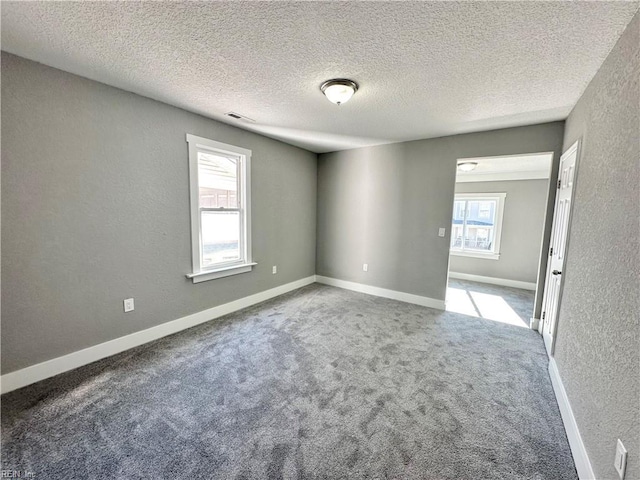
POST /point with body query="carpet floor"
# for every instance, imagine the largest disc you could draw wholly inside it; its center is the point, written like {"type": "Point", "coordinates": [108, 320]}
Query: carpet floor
{"type": "Point", "coordinates": [320, 383]}
{"type": "Point", "coordinates": [512, 306]}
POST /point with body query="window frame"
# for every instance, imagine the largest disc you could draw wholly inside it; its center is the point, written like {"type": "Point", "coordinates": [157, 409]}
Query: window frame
{"type": "Point", "coordinates": [245, 263]}
{"type": "Point", "coordinates": [467, 197]}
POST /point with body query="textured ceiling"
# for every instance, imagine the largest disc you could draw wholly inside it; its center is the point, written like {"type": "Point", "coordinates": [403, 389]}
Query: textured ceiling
{"type": "Point", "coordinates": [425, 69]}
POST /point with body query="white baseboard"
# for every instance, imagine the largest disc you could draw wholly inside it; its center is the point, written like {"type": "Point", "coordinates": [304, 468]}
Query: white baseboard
{"type": "Point", "coordinates": [578, 450]}
{"type": "Point", "coordinates": [494, 281]}
{"type": "Point", "coordinates": [35, 373]}
{"type": "Point", "coordinates": [382, 292]}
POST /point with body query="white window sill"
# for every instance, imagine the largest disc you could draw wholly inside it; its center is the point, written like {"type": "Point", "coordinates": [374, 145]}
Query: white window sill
{"type": "Point", "coordinates": [221, 272]}
{"type": "Point", "coordinates": [467, 253]}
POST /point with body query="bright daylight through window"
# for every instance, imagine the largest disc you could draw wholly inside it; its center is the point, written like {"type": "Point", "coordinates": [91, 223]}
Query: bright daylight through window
{"type": "Point", "coordinates": [220, 209]}
{"type": "Point", "coordinates": [477, 225]}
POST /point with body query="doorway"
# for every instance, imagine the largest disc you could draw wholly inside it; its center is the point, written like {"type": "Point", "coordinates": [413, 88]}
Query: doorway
{"type": "Point", "coordinates": [497, 231]}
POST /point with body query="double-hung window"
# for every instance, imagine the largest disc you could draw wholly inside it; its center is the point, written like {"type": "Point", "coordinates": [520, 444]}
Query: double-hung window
{"type": "Point", "coordinates": [477, 225]}
{"type": "Point", "coordinates": [220, 189]}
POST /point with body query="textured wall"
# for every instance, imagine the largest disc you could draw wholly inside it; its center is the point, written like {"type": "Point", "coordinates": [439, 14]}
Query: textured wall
{"type": "Point", "coordinates": [95, 209]}
{"type": "Point", "coordinates": [523, 222]}
{"type": "Point", "coordinates": [598, 341]}
{"type": "Point", "coordinates": [383, 205]}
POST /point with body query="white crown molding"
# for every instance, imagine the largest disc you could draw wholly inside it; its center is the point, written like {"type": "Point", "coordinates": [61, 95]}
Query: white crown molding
{"type": "Point", "coordinates": [501, 177]}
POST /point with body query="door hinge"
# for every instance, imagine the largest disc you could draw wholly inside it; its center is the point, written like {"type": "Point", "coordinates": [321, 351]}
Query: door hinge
{"type": "Point", "coordinates": [559, 184]}
{"type": "Point", "coordinates": [543, 314]}
{"type": "Point", "coordinates": [551, 252]}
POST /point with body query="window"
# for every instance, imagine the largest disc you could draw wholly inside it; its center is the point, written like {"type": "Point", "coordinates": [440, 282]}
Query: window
{"type": "Point", "coordinates": [477, 225]}
{"type": "Point", "coordinates": [220, 209]}
{"type": "Point", "coordinates": [485, 209]}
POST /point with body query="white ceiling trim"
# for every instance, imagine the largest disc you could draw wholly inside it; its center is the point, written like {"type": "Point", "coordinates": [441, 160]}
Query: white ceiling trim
{"type": "Point", "coordinates": [503, 177]}
{"type": "Point", "coordinates": [528, 166]}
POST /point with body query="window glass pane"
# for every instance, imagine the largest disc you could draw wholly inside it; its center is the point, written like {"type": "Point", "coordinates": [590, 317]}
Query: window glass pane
{"type": "Point", "coordinates": [456, 227]}
{"type": "Point", "coordinates": [482, 211]}
{"type": "Point", "coordinates": [217, 180]}
{"type": "Point", "coordinates": [485, 210]}
{"type": "Point", "coordinates": [478, 238]}
{"type": "Point", "coordinates": [220, 237]}
{"type": "Point", "coordinates": [456, 236]}
{"type": "Point", "coordinates": [480, 224]}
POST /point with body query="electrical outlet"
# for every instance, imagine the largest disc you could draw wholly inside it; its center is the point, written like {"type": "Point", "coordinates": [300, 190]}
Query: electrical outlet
{"type": "Point", "coordinates": [621, 459]}
{"type": "Point", "coordinates": [365, 267]}
{"type": "Point", "coordinates": [274, 269]}
{"type": "Point", "coordinates": [441, 232]}
{"type": "Point", "coordinates": [128, 305]}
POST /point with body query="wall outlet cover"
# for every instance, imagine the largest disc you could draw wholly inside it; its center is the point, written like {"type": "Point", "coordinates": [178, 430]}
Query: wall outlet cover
{"type": "Point", "coordinates": [621, 459]}
{"type": "Point", "coordinates": [365, 267]}
{"type": "Point", "coordinates": [128, 305]}
{"type": "Point", "coordinates": [274, 269]}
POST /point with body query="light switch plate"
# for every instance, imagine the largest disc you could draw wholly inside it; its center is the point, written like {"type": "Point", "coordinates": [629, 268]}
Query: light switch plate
{"type": "Point", "coordinates": [274, 269]}
{"type": "Point", "coordinates": [621, 459]}
{"type": "Point", "coordinates": [441, 232]}
{"type": "Point", "coordinates": [365, 267]}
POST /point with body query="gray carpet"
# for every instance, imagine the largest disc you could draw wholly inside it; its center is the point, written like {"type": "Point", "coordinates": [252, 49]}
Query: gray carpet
{"type": "Point", "coordinates": [319, 383]}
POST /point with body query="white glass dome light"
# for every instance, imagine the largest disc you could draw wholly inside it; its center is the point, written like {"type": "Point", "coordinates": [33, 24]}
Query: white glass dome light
{"type": "Point", "coordinates": [339, 90]}
{"type": "Point", "coordinates": [467, 166]}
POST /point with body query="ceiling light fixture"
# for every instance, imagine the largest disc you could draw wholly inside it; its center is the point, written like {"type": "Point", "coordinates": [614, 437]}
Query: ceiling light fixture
{"type": "Point", "coordinates": [339, 90]}
{"type": "Point", "coordinates": [467, 166]}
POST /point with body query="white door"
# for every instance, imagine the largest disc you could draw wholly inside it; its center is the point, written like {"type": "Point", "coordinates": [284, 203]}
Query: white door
{"type": "Point", "coordinates": [558, 246]}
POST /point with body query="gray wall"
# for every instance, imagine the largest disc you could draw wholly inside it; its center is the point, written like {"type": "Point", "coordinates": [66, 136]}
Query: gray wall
{"type": "Point", "coordinates": [95, 209]}
{"type": "Point", "coordinates": [523, 222]}
{"type": "Point", "coordinates": [598, 327]}
{"type": "Point", "coordinates": [383, 205]}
